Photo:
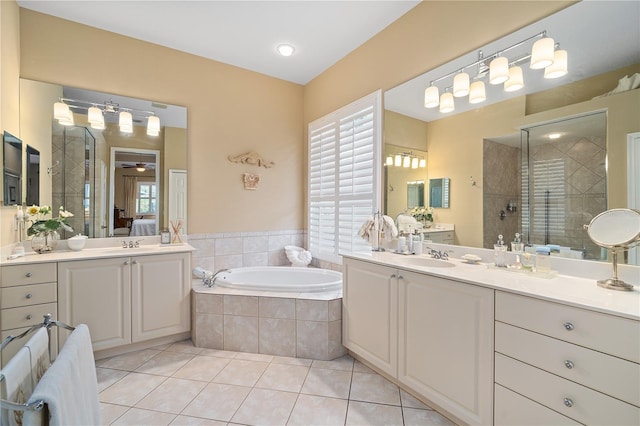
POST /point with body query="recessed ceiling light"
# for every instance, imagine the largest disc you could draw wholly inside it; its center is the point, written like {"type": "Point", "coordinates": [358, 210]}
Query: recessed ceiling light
{"type": "Point", "coordinates": [285, 49]}
{"type": "Point", "coordinates": [554, 135]}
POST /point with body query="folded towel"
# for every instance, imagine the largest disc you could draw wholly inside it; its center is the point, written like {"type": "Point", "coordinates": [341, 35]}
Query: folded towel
{"type": "Point", "coordinates": [369, 230]}
{"type": "Point", "coordinates": [554, 248]}
{"type": "Point", "coordinates": [407, 223]}
{"type": "Point", "coordinates": [70, 386]}
{"type": "Point", "coordinates": [16, 386]}
{"type": "Point", "coordinates": [389, 228]}
{"type": "Point", "coordinates": [38, 346]}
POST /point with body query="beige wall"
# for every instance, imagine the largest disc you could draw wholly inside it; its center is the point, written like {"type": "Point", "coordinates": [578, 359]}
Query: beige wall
{"type": "Point", "coordinates": [175, 157]}
{"type": "Point", "coordinates": [230, 111]}
{"type": "Point", "coordinates": [9, 98]}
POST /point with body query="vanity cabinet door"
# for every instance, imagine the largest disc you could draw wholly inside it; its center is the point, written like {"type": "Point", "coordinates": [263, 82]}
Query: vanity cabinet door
{"type": "Point", "coordinates": [370, 313]}
{"type": "Point", "coordinates": [96, 293]}
{"type": "Point", "coordinates": [160, 295]}
{"type": "Point", "coordinates": [446, 344]}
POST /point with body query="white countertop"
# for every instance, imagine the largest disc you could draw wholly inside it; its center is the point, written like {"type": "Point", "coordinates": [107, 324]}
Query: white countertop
{"type": "Point", "coordinates": [440, 227]}
{"type": "Point", "coordinates": [565, 289]}
{"type": "Point", "coordinates": [95, 253]}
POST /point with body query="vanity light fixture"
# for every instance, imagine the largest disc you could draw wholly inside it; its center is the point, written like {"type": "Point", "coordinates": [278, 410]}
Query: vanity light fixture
{"type": "Point", "coordinates": [398, 160]}
{"type": "Point", "coordinates": [545, 53]}
{"type": "Point", "coordinates": [406, 160]}
{"type": "Point", "coordinates": [96, 115]}
{"type": "Point", "coordinates": [389, 161]}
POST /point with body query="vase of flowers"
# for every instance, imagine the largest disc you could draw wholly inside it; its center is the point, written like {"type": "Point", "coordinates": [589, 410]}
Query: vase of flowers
{"type": "Point", "coordinates": [45, 230]}
{"type": "Point", "coordinates": [423, 215]}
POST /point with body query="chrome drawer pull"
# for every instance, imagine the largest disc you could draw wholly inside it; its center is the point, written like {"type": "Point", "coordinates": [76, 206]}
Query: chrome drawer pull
{"type": "Point", "coordinates": [29, 275]}
{"type": "Point", "coordinates": [568, 326]}
{"type": "Point", "coordinates": [393, 276]}
{"type": "Point", "coordinates": [568, 402]}
{"type": "Point", "coordinates": [135, 262]}
{"type": "Point", "coordinates": [29, 295]}
{"type": "Point", "coordinates": [29, 317]}
{"type": "Point", "coordinates": [126, 262]}
{"type": "Point", "coordinates": [568, 364]}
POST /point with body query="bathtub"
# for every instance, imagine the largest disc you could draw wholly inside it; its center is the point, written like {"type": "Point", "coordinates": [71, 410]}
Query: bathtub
{"type": "Point", "coordinates": [280, 279]}
{"type": "Point", "coordinates": [274, 310]}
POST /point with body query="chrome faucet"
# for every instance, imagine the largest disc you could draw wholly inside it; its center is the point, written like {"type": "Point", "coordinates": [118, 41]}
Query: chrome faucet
{"type": "Point", "coordinates": [437, 254]}
{"type": "Point", "coordinates": [209, 280]}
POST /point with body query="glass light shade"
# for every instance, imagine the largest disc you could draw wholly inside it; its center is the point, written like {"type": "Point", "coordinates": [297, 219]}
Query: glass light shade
{"type": "Point", "coordinates": [153, 126]}
{"type": "Point", "coordinates": [499, 70]}
{"type": "Point", "coordinates": [423, 163]}
{"type": "Point", "coordinates": [431, 97]}
{"type": "Point", "coordinates": [542, 53]}
{"type": "Point", "coordinates": [414, 163]}
{"type": "Point", "coordinates": [461, 85]}
{"type": "Point", "coordinates": [398, 160]}
{"type": "Point", "coordinates": [516, 81]}
{"type": "Point", "coordinates": [389, 161]}
{"type": "Point", "coordinates": [559, 66]}
{"type": "Point", "coordinates": [477, 92]}
{"type": "Point", "coordinates": [125, 121]}
{"type": "Point", "coordinates": [60, 110]}
{"type": "Point", "coordinates": [406, 162]}
{"type": "Point", "coordinates": [67, 120]}
{"type": "Point", "coordinates": [446, 102]}
{"type": "Point", "coordinates": [140, 169]}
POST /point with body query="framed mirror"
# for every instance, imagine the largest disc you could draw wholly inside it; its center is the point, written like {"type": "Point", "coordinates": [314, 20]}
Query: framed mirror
{"type": "Point", "coordinates": [478, 144]}
{"type": "Point", "coordinates": [12, 169]}
{"type": "Point", "coordinates": [76, 167]}
{"type": "Point", "coordinates": [33, 176]}
{"type": "Point", "coordinates": [439, 193]}
{"type": "Point", "coordinates": [415, 194]}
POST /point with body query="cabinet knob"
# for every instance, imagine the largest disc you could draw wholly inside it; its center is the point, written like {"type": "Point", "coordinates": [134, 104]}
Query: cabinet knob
{"type": "Point", "coordinates": [28, 275]}
{"type": "Point", "coordinates": [568, 364]}
{"type": "Point", "coordinates": [126, 262]}
{"type": "Point", "coordinates": [29, 295]}
{"type": "Point", "coordinates": [393, 276]}
{"type": "Point", "coordinates": [135, 262]}
{"type": "Point", "coordinates": [29, 317]}
{"type": "Point", "coordinates": [568, 402]}
{"type": "Point", "coordinates": [568, 326]}
{"type": "Point", "coordinates": [400, 277]}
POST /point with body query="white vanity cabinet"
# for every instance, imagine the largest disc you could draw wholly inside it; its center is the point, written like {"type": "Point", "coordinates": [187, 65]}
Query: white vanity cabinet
{"type": "Point", "coordinates": [564, 364]}
{"type": "Point", "coordinates": [27, 293]}
{"type": "Point", "coordinates": [370, 313]}
{"type": "Point", "coordinates": [440, 237]}
{"type": "Point", "coordinates": [431, 334]}
{"type": "Point", "coordinates": [126, 299]}
{"type": "Point", "coordinates": [446, 344]}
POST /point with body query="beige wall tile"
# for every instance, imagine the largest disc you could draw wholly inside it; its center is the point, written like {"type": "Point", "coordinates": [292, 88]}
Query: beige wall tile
{"type": "Point", "coordinates": [312, 310]}
{"type": "Point", "coordinates": [240, 333]}
{"type": "Point", "coordinates": [241, 305]}
{"type": "Point", "coordinates": [277, 336]}
{"type": "Point", "coordinates": [277, 307]}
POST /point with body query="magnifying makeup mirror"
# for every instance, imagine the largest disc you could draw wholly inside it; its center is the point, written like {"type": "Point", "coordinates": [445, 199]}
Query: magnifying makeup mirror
{"type": "Point", "coordinates": [616, 230]}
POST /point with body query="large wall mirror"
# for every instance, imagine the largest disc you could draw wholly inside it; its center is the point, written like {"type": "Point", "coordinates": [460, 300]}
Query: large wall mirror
{"type": "Point", "coordinates": [12, 169]}
{"type": "Point", "coordinates": [542, 160]}
{"type": "Point", "coordinates": [111, 174]}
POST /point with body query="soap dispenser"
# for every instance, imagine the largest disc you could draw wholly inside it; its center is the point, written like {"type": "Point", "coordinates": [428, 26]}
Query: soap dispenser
{"type": "Point", "coordinates": [517, 247]}
{"type": "Point", "coordinates": [500, 252]}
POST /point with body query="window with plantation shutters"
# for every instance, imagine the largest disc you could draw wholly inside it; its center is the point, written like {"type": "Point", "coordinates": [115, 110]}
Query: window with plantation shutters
{"type": "Point", "coordinates": [344, 170]}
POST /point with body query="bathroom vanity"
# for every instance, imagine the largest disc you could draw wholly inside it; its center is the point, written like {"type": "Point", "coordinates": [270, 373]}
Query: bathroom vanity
{"type": "Point", "coordinates": [491, 346]}
{"type": "Point", "coordinates": [129, 297]}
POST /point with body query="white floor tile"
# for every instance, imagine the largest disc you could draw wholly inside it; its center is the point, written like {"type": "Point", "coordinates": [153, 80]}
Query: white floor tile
{"type": "Point", "coordinates": [137, 417]}
{"type": "Point", "coordinates": [128, 362]}
{"type": "Point", "coordinates": [313, 410]}
{"type": "Point", "coordinates": [131, 389]}
{"type": "Point", "coordinates": [373, 388]}
{"type": "Point", "coordinates": [344, 363]}
{"type": "Point", "coordinates": [364, 413]}
{"type": "Point", "coordinates": [265, 407]}
{"type": "Point", "coordinates": [165, 364]}
{"type": "Point", "coordinates": [108, 376]}
{"type": "Point", "coordinates": [217, 402]}
{"type": "Point", "coordinates": [241, 372]}
{"type": "Point", "coordinates": [283, 377]}
{"type": "Point", "coordinates": [195, 421]}
{"type": "Point", "coordinates": [325, 382]}
{"type": "Point", "coordinates": [111, 412]}
{"type": "Point", "coordinates": [416, 417]}
{"type": "Point", "coordinates": [172, 396]}
{"type": "Point", "coordinates": [203, 368]}
{"type": "Point", "coordinates": [410, 401]}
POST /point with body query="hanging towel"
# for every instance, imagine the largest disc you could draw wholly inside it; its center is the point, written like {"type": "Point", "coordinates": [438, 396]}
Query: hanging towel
{"type": "Point", "coordinates": [369, 228]}
{"type": "Point", "coordinates": [38, 346]}
{"type": "Point", "coordinates": [70, 386]}
{"type": "Point", "coordinates": [16, 386]}
{"type": "Point", "coordinates": [389, 228]}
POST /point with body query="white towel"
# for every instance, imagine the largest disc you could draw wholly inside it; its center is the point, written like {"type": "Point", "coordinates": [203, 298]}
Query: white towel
{"type": "Point", "coordinates": [70, 386]}
{"type": "Point", "coordinates": [369, 229]}
{"type": "Point", "coordinates": [16, 386]}
{"type": "Point", "coordinates": [38, 346]}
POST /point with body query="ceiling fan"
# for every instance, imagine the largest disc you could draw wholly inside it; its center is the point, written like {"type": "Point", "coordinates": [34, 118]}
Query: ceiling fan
{"type": "Point", "coordinates": [139, 166]}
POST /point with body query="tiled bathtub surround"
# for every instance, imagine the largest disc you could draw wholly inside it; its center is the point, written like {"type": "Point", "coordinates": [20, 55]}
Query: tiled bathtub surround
{"type": "Point", "coordinates": [283, 326]}
{"type": "Point", "coordinates": [234, 250]}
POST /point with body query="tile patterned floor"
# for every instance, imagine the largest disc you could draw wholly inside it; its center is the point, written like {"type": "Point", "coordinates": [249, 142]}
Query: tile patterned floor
{"type": "Point", "coordinates": [180, 384]}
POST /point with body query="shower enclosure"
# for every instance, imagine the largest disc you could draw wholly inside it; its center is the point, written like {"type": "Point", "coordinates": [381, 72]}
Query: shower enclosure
{"type": "Point", "coordinates": [564, 183]}
{"type": "Point", "coordinates": [74, 178]}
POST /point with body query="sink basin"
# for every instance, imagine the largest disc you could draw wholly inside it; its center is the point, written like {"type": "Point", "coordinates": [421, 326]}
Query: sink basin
{"type": "Point", "coordinates": [428, 262]}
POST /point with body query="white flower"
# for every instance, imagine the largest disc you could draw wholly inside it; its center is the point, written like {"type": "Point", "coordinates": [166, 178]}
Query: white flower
{"type": "Point", "coordinates": [65, 214]}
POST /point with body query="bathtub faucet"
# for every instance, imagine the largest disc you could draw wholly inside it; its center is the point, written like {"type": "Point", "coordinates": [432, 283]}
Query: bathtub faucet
{"type": "Point", "coordinates": [209, 280]}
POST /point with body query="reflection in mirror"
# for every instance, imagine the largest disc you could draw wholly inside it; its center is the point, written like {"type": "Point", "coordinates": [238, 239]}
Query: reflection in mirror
{"type": "Point", "coordinates": [470, 140]}
{"type": "Point", "coordinates": [399, 179]}
{"type": "Point", "coordinates": [415, 194]}
{"type": "Point", "coordinates": [76, 154]}
{"type": "Point", "coordinates": [439, 193]}
{"type": "Point", "coordinates": [33, 176]}
{"type": "Point", "coordinates": [12, 169]}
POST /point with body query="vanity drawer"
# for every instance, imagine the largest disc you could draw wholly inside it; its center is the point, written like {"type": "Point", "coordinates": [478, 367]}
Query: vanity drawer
{"type": "Point", "coordinates": [27, 316]}
{"type": "Point", "coordinates": [28, 274]}
{"type": "Point", "coordinates": [568, 398]}
{"type": "Point", "coordinates": [605, 373]}
{"type": "Point", "coordinates": [35, 294]}
{"type": "Point", "coordinates": [606, 333]}
{"type": "Point", "coordinates": [514, 409]}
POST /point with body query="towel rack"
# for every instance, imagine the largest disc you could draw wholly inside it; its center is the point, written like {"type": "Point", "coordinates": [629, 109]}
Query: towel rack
{"type": "Point", "coordinates": [48, 323]}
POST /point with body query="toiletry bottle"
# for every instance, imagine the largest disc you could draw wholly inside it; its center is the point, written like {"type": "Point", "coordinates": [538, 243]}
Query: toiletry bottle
{"type": "Point", "coordinates": [500, 252]}
{"type": "Point", "coordinates": [517, 247]}
{"type": "Point", "coordinates": [543, 259]}
{"type": "Point", "coordinates": [417, 244]}
{"type": "Point", "coordinates": [402, 242]}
